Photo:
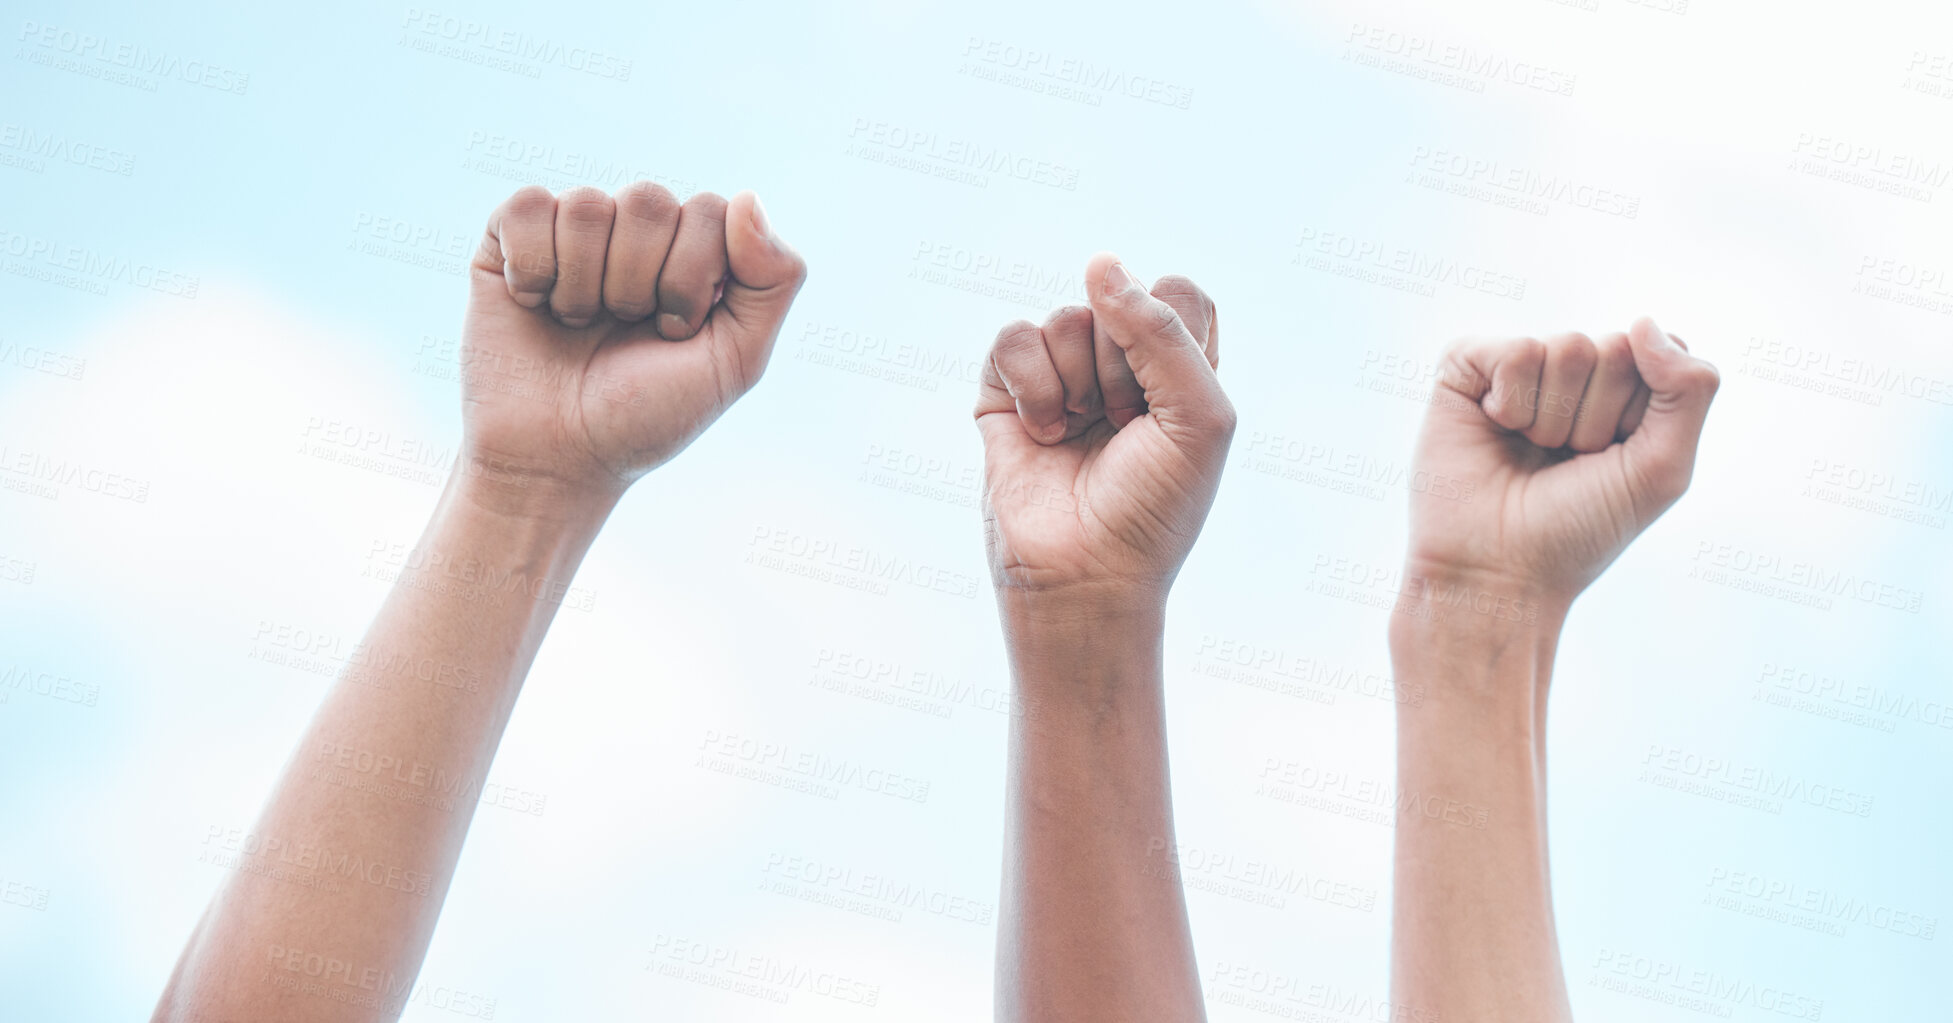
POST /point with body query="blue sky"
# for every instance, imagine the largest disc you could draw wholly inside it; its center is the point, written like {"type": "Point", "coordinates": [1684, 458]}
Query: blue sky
{"type": "Point", "coordinates": [233, 236]}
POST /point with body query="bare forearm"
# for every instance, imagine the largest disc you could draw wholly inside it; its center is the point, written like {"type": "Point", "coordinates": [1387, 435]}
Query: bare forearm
{"type": "Point", "coordinates": [1561, 451]}
{"type": "Point", "coordinates": [1473, 935]}
{"type": "Point", "coordinates": [1094, 919]}
{"type": "Point", "coordinates": [335, 892]}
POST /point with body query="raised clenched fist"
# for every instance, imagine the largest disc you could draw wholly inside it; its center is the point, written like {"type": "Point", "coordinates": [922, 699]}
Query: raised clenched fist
{"type": "Point", "coordinates": [1569, 448]}
{"type": "Point", "coordinates": [605, 333]}
{"type": "Point", "coordinates": [1105, 432]}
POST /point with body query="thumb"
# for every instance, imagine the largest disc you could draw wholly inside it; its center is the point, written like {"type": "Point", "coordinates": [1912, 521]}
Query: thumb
{"type": "Point", "coordinates": [765, 273]}
{"type": "Point", "coordinates": [1171, 367]}
{"type": "Point", "coordinates": [1661, 450]}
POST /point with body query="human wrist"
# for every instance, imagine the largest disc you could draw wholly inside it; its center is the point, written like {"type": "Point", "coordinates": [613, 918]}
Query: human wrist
{"type": "Point", "coordinates": [1437, 599]}
{"type": "Point", "coordinates": [1477, 671]}
{"type": "Point", "coordinates": [541, 527]}
{"type": "Point", "coordinates": [1476, 644]}
{"type": "Point", "coordinates": [1080, 606]}
{"type": "Point", "coordinates": [519, 495]}
{"type": "Point", "coordinates": [1091, 644]}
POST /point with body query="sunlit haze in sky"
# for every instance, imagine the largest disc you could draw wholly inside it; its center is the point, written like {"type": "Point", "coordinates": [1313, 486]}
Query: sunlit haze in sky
{"type": "Point", "coordinates": [757, 771]}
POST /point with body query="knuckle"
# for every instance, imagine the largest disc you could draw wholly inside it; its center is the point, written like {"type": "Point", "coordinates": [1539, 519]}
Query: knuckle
{"type": "Point", "coordinates": [1162, 319]}
{"type": "Point", "coordinates": [709, 205]}
{"type": "Point", "coordinates": [1526, 354]}
{"type": "Point", "coordinates": [1017, 338]}
{"type": "Point", "coordinates": [1177, 286]}
{"type": "Point", "coordinates": [1612, 353]}
{"type": "Point", "coordinates": [797, 272]}
{"type": "Point", "coordinates": [1705, 376]}
{"type": "Point", "coordinates": [646, 200]}
{"type": "Point", "coordinates": [1453, 369]}
{"type": "Point", "coordinates": [1069, 318]}
{"type": "Point", "coordinates": [1455, 364]}
{"type": "Point", "coordinates": [529, 201]}
{"type": "Point", "coordinates": [584, 206]}
{"type": "Point", "coordinates": [1576, 348]}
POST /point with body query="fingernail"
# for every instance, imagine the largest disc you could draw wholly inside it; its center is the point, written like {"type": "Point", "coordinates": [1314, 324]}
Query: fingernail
{"type": "Point", "coordinates": [1118, 281]}
{"type": "Point", "coordinates": [671, 326]}
{"type": "Point", "coordinates": [760, 223]}
{"type": "Point", "coordinates": [1052, 432]}
{"type": "Point", "coordinates": [529, 299]}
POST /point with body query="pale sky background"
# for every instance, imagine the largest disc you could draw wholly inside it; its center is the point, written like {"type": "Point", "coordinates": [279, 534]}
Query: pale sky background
{"type": "Point", "coordinates": [264, 268]}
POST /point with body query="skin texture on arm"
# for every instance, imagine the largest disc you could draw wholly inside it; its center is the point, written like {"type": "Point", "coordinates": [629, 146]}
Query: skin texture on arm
{"type": "Point", "coordinates": [1569, 448]}
{"type": "Point", "coordinates": [602, 335]}
{"type": "Point", "coordinates": [1105, 432]}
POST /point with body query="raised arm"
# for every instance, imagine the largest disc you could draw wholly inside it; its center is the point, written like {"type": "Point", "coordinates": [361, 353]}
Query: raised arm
{"type": "Point", "coordinates": [1563, 452]}
{"type": "Point", "coordinates": [1105, 432]}
{"type": "Point", "coordinates": [602, 336]}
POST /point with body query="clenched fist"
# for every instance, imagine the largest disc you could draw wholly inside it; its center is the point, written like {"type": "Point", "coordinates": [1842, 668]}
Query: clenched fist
{"type": "Point", "coordinates": [1570, 447]}
{"type": "Point", "coordinates": [604, 334]}
{"type": "Point", "coordinates": [1105, 432]}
